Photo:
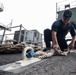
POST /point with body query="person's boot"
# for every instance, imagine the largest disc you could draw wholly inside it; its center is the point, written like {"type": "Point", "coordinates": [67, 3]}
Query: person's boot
{"type": "Point", "coordinates": [46, 49]}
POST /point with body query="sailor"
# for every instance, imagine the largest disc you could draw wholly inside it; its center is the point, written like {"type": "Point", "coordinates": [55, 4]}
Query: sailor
{"type": "Point", "coordinates": [60, 29]}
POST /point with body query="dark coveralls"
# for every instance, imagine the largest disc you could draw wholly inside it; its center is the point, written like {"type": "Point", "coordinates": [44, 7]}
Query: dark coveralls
{"type": "Point", "coordinates": [62, 31]}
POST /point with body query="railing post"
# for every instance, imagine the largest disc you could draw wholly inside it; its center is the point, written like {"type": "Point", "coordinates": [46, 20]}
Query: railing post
{"type": "Point", "coordinates": [20, 34]}
{"type": "Point", "coordinates": [3, 36]}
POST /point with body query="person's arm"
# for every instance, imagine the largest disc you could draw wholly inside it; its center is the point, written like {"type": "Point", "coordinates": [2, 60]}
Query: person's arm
{"type": "Point", "coordinates": [54, 38]}
{"type": "Point", "coordinates": [55, 42]}
{"type": "Point", "coordinates": [71, 45]}
{"type": "Point", "coordinates": [73, 34]}
{"type": "Point", "coordinates": [55, 26]}
{"type": "Point", "coordinates": [73, 39]}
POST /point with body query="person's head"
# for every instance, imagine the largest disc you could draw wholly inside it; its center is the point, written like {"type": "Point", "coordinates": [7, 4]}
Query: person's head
{"type": "Point", "coordinates": [67, 16]}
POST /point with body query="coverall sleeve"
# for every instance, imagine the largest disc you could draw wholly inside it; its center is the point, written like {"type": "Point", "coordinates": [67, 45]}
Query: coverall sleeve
{"type": "Point", "coordinates": [55, 27]}
{"type": "Point", "coordinates": [72, 32]}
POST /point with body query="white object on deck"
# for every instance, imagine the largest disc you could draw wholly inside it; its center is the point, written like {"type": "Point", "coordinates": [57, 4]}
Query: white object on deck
{"type": "Point", "coordinates": [18, 64]}
{"type": "Point", "coordinates": [24, 53]}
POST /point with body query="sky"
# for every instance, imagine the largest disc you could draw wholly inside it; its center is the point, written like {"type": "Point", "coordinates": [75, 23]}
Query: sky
{"type": "Point", "coordinates": [32, 14]}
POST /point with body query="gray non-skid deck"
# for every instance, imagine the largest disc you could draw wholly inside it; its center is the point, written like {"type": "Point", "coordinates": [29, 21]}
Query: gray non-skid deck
{"type": "Point", "coordinates": [56, 65]}
{"type": "Point", "coordinates": [9, 58]}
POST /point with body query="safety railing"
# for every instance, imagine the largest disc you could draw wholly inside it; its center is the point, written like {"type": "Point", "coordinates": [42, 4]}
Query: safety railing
{"type": "Point", "coordinates": [65, 5]}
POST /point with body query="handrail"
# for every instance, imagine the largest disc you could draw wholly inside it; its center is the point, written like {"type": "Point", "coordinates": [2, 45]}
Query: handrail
{"type": "Point", "coordinates": [61, 5]}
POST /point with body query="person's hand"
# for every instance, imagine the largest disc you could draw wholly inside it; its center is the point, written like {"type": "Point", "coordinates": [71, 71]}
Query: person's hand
{"type": "Point", "coordinates": [71, 46]}
{"type": "Point", "coordinates": [56, 47]}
